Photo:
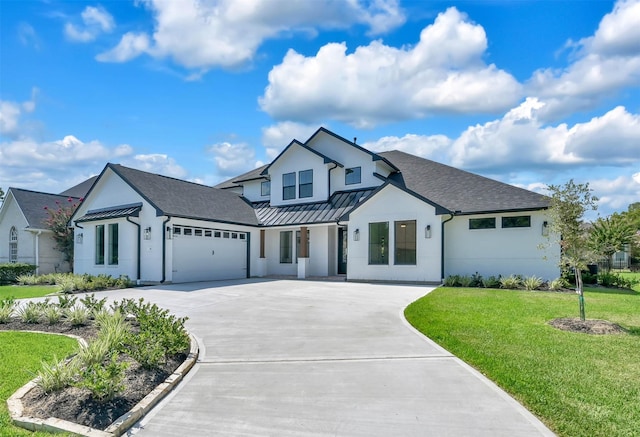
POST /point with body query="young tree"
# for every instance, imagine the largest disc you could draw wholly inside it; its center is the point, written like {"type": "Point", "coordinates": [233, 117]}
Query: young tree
{"type": "Point", "coordinates": [610, 235]}
{"type": "Point", "coordinates": [569, 202]}
{"type": "Point", "coordinates": [58, 223]}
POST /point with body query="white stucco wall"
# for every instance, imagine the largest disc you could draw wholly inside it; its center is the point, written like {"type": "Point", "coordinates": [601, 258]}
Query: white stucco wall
{"type": "Point", "coordinates": [252, 190]}
{"type": "Point", "coordinates": [294, 160]}
{"type": "Point", "coordinates": [390, 205]}
{"type": "Point", "coordinates": [499, 251]}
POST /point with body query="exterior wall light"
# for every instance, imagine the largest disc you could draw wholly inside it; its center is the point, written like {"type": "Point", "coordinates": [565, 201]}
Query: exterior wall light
{"type": "Point", "coordinates": [79, 238]}
{"type": "Point", "coordinates": [545, 228]}
{"type": "Point", "coordinates": [427, 231]}
{"type": "Point", "coordinates": [356, 235]}
{"type": "Point", "coordinates": [147, 233]}
{"type": "Point", "coordinates": [169, 233]}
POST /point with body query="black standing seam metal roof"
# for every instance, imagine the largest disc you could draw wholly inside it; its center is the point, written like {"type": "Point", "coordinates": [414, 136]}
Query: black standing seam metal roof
{"type": "Point", "coordinates": [110, 213]}
{"type": "Point", "coordinates": [310, 213]}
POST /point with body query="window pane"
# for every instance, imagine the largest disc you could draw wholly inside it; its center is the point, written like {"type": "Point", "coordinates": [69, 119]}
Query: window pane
{"type": "Point", "coordinates": [265, 188]}
{"type": "Point", "coordinates": [378, 243]}
{"type": "Point", "coordinates": [405, 251]}
{"type": "Point", "coordinates": [13, 245]}
{"type": "Point", "coordinates": [352, 176]}
{"type": "Point", "coordinates": [286, 255]}
{"type": "Point", "coordinates": [482, 223]}
{"type": "Point", "coordinates": [113, 244]}
{"type": "Point", "coordinates": [100, 244]}
{"type": "Point", "coordinates": [288, 186]}
{"type": "Point", "coordinates": [523, 221]}
{"type": "Point", "coordinates": [306, 183]}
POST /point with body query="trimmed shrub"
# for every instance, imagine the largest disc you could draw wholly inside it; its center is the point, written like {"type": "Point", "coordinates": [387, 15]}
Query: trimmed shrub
{"type": "Point", "coordinates": [77, 315]}
{"type": "Point", "coordinates": [511, 282]}
{"type": "Point", "coordinates": [56, 375]}
{"type": "Point", "coordinates": [557, 284]}
{"type": "Point", "coordinates": [104, 381]}
{"type": "Point", "coordinates": [532, 283]}
{"type": "Point", "coordinates": [452, 281]}
{"type": "Point", "coordinates": [466, 281]}
{"type": "Point", "coordinates": [7, 305]}
{"type": "Point", "coordinates": [10, 272]}
{"type": "Point", "coordinates": [30, 312]}
{"type": "Point", "coordinates": [491, 282]}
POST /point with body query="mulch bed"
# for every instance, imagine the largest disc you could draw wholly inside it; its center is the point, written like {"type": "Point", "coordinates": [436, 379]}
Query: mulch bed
{"type": "Point", "coordinates": [78, 405]}
{"type": "Point", "coordinates": [595, 327]}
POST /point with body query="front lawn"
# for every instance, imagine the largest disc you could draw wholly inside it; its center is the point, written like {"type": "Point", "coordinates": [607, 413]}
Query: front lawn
{"type": "Point", "coordinates": [21, 355]}
{"type": "Point", "coordinates": [26, 291]}
{"type": "Point", "coordinates": [578, 384]}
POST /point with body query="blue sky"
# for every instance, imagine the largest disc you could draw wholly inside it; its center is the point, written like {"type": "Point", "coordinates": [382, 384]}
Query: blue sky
{"type": "Point", "coordinates": [527, 92]}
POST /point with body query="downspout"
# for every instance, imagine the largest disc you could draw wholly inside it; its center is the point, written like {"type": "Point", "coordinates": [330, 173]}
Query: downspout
{"type": "Point", "coordinates": [442, 246]}
{"type": "Point", "coordinates": [73, 267]}
{"type": "Point", "coordinates": [164, 250]}
{"type": "Point", "coordinates": [139, 249]}
{"type": "Point", "coordinates": [329, 180]}
{"type": "Point", "coordinates": [38, 252]}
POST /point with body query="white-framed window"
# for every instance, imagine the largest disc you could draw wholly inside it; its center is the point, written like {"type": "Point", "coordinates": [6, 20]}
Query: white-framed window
{"type": "Point", "coordinates": [352, 175]}
{"type": "Point", "coordinates": [265, 188]}
{"type": "Point", "coordinates": [13, 245]}
{"type": "Point", "coordinates": [288, 186]}
{"type": "Point", "coordinates": [305, 181]}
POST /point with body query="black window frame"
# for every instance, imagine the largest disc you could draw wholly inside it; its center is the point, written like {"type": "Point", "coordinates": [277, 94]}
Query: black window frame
{"type": "Point", "coordinates": [519, 221]}
{"type": "Point", "coordinates": [305, 189]}
{"type": "Point", "coordinates": [286, 250]}
{"type": "Point", "coordinates": [265, 188]}
{"type": "Point", "coordinates": [482, 223]}
{"type": "Point", "coordinates": [405, 234]}
{"type": "Point", "coordinates": [99, 245]}
{"type": "Point", "coordinates": [113, 244]}
{"type": "Point", "coordinates": [349, 174]}
{"type": "Point", "coordinates": [288, 188]}
{"type": "Point", "coordinates": [378, 249]}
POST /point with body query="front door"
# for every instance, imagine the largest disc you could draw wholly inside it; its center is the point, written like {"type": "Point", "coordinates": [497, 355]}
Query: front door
{"type": "Point", "coordinates": [342, 250]}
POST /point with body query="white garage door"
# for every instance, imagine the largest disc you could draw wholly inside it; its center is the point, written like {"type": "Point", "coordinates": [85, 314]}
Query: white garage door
{"type": "Point", "coordinates": [201, 254]}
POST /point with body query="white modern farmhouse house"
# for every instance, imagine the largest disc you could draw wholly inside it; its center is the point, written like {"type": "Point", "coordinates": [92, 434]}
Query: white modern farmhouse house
{"type": "Point", "coordinates": [324, 207]}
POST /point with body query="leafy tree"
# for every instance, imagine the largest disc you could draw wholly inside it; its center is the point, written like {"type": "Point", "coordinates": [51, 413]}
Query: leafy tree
{"type": "Point", "coordinates": [569, 202]}
{"type": "Point", "coordinates": [1, 195]}
{"type": "Point", "coordinates": [610, 235]}
{"type": "Point", "coordinates": [57, 222]}
{"type": "Point", "coordinates": [633, 215]}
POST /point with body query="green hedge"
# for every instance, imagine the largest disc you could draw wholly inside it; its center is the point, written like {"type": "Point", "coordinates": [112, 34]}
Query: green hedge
{"type": "Point", "coordinates": [10, 272]}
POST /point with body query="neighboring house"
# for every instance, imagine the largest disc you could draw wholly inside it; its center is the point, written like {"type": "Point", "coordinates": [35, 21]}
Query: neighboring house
{"type": "Point", "coordinates": [24, 237]}
{"type": "Point", "coordinates": [321, 208]}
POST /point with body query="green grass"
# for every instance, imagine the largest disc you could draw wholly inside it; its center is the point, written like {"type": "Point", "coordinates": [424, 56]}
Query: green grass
{"type": "Point", "coordinates": [20, 357]}
{"type": "Point", "coordinates": [26, 291]}
{"type": "Point", "coordinates": [577, 384]}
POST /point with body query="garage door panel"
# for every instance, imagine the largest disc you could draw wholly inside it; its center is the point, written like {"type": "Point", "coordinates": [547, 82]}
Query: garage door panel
{"type": "Point", "coordinates": [199, 258]}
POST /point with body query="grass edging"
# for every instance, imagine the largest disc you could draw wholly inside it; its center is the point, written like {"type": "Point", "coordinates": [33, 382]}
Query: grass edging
{"type": "Point", "coordinates": [121, 424]}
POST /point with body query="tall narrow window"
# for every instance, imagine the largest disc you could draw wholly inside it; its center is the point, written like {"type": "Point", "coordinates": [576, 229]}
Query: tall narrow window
{"type": "Point", "coordinates": [306, 183]}
{"type": "Point", "coordinates": [100, 244]}
{"type": "Point", "coordinates": [286, 247]}
{"type": "Point", "coordinates": [13, 245]}
{"type": "Point", "coordinates": [405, 241]}
{"type": "Point", "coordinates": [378, 243]}
{"type": "Point", "coordinates": [112, 252]}
{"type": "Point", "coordinates": [288, 186]}
{"type": "Point", "coordinates": [352, 176]}
{"type": "Point", "coordinates": [265, 188]}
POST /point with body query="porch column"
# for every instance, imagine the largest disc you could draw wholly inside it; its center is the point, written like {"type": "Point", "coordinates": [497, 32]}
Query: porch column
{"type": "Point", "coordinates": [303, 256]}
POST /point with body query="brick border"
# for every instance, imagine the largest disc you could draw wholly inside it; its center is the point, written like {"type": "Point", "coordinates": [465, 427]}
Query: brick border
{"type": "Point", "coordinates": [121, 424]}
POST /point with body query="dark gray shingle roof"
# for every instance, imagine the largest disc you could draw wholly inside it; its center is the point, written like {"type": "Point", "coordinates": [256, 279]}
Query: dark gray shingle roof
{"type": "Point", "coordinates": [319, 212]}
{"type": "Point", "coordinates": [81, 189]}
{"type": "Point", "coordinates": [250, 175]}
{"type": "Point", "coordinates": [34, 205]}
{"type": "Point", "coordinates": [180, 198]}
{"type": "Point", "coordinates": [459, 190]}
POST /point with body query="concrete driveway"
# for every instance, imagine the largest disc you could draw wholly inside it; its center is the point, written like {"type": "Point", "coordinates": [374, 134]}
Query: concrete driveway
{"type": "Point", "coordinates": [305, 358]}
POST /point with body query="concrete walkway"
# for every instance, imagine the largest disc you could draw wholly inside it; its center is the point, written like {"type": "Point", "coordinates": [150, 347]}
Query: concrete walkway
{"type": "Point", "coordinates": [305, 358]}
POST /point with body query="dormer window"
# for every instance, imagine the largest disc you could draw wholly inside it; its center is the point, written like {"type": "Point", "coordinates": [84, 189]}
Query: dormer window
{"type": "Point", "coordinates": [352, 176]}
{"type": "Point", "coordinates": [306, 183]}
{"type": "Point", "coordinates": [265, 188]}
{"type": "Point", "coordinates": [288, 186]}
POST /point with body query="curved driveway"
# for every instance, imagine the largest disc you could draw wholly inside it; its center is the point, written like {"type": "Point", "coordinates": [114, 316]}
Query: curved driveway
{"type": "Point", "coordinates": [311, 358]}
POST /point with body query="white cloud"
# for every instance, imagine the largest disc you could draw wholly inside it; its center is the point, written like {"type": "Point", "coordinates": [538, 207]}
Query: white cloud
{"type": "Point", "coordinates": [95, 20]}
{"type": "Point", "coordinates": [443, 73]}
{"type": "Point", "coordinates": [155, 163]}
{"type": "Point", "coordinates": [10, 113]}
{"type": "Point", "coordinates": [521, 140]}
{"type": "Point", "coordinates": [28, 36]}
{"type": "Point", "coordinates": [227, 33]}
{"type": "Point", "coordinates": [606, 62]}
{"type": "Point", "coordinates": [432, 147]}
{"type": "Point", "coordinates": [278, 136]}
{"type": "Point", "coordinates": [130, 46]}
{"type": "Point", "coordinates": [232, 159]}
{"type": "Point", "coordinates": [616, 194]}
